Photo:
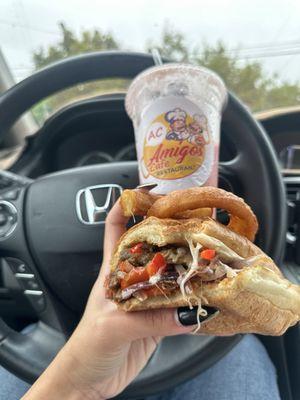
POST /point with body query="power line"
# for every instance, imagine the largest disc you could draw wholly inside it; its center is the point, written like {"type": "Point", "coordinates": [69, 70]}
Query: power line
{"type": "Point", "coordinates": [23, 26]}
{"type": "Point", "coordinates": [272, 51]}
{"type": "Point", "coordinates": [267, 46]}
{"type": "Point", "coordinates": [267, 50]}
{"type": "Point", "coordinates": [279, 53]}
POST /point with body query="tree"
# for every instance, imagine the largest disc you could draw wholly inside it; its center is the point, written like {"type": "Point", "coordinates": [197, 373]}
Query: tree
{"type": "Point", "coordinates": [285, 94]}
{"type": "Point", "coordinates": [70, 45]}
{"type": "Point", "coordinates": [247, 80]}
{"type": "Point", "coordinates": [172, 45]}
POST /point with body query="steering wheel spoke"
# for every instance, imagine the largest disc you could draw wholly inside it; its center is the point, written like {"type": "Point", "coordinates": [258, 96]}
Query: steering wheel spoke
{"type": "Point", "coordinates": [40, 344]}
{"type": "Point", "coordinates": [229, 177]}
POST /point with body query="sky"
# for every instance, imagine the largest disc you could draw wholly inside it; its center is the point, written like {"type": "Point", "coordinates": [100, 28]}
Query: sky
{"type": "Point", "coordinates": [27, 25]}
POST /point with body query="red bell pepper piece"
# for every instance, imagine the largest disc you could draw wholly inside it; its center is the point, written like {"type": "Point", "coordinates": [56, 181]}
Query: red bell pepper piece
{"type": "Point", "coordinates": [137, 249]}
{"type": "Point", "coordinates": [137, 274]}
{"type": "Point", "coordinates": [125, 266]}
{"type": "Point", "coordinates": [208, 254]}
{"type": "Point", "coordinates": [158, 262]}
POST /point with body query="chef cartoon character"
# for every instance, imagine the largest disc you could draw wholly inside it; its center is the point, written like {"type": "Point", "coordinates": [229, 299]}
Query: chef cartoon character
{"type": "Point", "coordinates": [198, 130]}
{"type": "Point", "coordinates": [177, 122]}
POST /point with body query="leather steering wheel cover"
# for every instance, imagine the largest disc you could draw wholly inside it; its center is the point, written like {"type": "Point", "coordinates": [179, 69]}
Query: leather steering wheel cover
{"type": "Point", "coordinates": [123, 65]}
{"type": "Point", "coordinates": [264, 188]}
{"type": "Point", "coordinates": [66, 73]}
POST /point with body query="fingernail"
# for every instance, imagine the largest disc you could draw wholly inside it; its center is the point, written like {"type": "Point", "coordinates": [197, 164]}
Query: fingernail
{"type": "Point", "coordinates": [147, 186]}
{"type": "Point", "coordinates": [187, 316]}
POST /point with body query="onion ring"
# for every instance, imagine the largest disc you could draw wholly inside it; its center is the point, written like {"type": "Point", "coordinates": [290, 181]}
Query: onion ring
{"type": "Point", "coordinates": [138, 202]}
{"type": "Point", "coordinates": [242, 219]}
{"type": "Point", "coordinates": [197, 213]}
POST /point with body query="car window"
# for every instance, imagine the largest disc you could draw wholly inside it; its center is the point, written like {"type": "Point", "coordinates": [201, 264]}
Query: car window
{"type": "Point", "coordinates": [256, 52]}
{"type": "Point", "coordinates": [45, 108]}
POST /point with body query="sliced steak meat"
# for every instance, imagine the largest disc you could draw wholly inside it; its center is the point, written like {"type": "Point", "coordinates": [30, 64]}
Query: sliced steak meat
{"type": "Point", "coordinates": [113, 282]}
{"type": "Point", "coordinates": [178, 260]}
{"type": "Point", "coordinates": [177, 255]}
{"type": "Point", "coordinates": [166, 281]}
{"type": "Point", "coordinates": [138, 259]}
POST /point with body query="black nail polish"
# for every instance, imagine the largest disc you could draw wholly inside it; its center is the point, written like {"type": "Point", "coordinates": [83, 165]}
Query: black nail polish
{"type": "Point", "coordinates": [187, 316]}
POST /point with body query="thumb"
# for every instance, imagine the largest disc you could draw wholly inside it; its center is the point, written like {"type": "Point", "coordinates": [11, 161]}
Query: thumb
{"type": "Point", "coordinates": [162, 322]}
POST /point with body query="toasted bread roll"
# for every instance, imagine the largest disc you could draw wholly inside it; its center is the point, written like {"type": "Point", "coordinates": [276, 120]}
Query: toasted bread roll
{"type": "Point", "coordinates": [258, 299]}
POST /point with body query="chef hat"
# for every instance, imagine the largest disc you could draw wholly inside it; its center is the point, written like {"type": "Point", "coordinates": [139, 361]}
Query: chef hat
{"type": "Point", "coordinates": [175, 115]}
{"type": "Point", "coordinates": [200, 119]}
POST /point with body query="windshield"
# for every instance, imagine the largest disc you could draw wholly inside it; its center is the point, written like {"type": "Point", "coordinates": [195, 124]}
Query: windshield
{"type": "Point", "coordinates": [254, 46]}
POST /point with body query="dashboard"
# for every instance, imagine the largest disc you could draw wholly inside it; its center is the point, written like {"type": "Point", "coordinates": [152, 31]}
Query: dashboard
{"type": "Point", "coordinates": [110, 143]}
{"type": "Point", "coordinates": [99, 131]}
{"type": "Point", "coordinates": [86, 133]}
{"type": "Point", "coordinates": [89, 153]}
{"type": "Point", "coordinates": [92, 139]}
{"type": "Point", "coordinates": [284, 131]}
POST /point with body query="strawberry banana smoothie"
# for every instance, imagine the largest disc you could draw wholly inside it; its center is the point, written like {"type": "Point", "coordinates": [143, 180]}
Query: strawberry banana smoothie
{"type": "Point", "coordinates": [176, 113]}
{"type": "Point", "coordinates": [213, 177]}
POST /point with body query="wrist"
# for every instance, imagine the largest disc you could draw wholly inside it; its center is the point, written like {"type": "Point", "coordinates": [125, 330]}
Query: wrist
{"type": "Point", "coordinates": [57, 382]}
{"type": "Point", "coordinates": [50, 388]}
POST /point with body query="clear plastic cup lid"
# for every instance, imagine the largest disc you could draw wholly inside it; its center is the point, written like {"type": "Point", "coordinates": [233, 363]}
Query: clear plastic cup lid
{"type": "Point", "coordinates": [194, 82]}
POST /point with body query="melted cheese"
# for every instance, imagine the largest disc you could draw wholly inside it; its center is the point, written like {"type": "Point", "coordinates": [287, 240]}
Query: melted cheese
{"type": "Point", "coordinates": [133, 217]}
{"type": "Point", "coordinates": [155, 278]}
{"type": "Point", "coordinates": [201, 312]}
{"type": "Point", "coordinates": [230, 273]}
{"type": "Point", "coordinates": [163, 293]}
{"type": "Point", "coordinates": [219, 246]}
{"type": "Point", "coordinates": [192, 267]}
{"type": "Point", "coordinates": [269, 269]}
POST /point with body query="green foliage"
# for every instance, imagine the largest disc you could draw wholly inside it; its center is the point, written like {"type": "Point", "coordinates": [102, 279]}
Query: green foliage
{"type": "Point", "coordinates": [70, 45]}
{"type": "Point", "coordinates": [50, 105]}
{"type": "Point", "coordinates": [172, 46]}
{"type": "Point", "coordinates": [285, 94]}
{"type": "Point", "coordinates": [247, 80]}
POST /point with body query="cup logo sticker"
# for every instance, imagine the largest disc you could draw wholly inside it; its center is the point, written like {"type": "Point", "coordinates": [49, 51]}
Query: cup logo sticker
{"type": "Point", "coordinates": [176, 144]}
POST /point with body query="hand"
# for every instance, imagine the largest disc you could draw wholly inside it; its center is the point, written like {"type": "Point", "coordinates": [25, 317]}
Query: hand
{"type": "Point", "coordinates": [109, 347]}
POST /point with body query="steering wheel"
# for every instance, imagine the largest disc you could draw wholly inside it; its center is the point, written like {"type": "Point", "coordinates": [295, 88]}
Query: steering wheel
{"type": "Point", "coordinates": [56, 251]}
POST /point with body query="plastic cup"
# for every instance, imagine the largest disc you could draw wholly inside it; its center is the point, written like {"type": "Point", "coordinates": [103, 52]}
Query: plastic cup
{"type": "Point", "coordinates": [176, 113]}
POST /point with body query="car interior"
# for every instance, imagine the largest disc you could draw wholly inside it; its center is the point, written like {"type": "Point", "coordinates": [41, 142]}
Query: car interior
{"type": "Point", "coordinates": [49, 259]}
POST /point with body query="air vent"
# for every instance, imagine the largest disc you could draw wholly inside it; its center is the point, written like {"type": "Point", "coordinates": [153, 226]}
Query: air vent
{"type": "Point", "coordinates": [292, 185]}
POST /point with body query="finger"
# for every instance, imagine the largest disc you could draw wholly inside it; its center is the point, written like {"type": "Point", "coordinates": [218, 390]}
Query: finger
{"type": "Point", "coordinates": [115, 226]}
{"type": "Point", "coordinates": [142, 324]}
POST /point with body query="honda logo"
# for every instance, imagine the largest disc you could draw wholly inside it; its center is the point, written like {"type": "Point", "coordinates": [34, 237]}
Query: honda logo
{"type": "Point", "coordinates": [94, 202]}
